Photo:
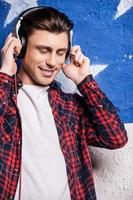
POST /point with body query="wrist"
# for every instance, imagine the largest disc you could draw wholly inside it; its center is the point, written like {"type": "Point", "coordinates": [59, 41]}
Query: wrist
{"type": "Point", "coordinates": [6, 71]}
{"type": "Point", "coordinates": [80, 79]}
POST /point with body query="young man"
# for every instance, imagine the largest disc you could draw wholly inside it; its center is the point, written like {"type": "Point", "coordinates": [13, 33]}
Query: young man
{"type": "Point", "coordinates": [44, 155]}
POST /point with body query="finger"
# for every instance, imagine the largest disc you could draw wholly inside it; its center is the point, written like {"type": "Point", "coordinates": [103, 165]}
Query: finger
{"type": "Point", "coordinates": [75, 49]}
{"type": "Point", "coordinates": [10, 34]}
{"type": "Point", "coordinates": [14, 47]}
{"type": "Point", "coordinates": [12, 41]}
{"type": "Point", "coordinates": [8, 40]}
{"type": "Point", "coordinates": [86, 61]}
{"type": "Point", "coordinates": [64, 66]}
{"type": "Point", "coordinates": [77, 55]}
{"type": "Point", "coordinates": [82, 61]}
{"type": "Point", "coordinates": [72, 59]}
{"type": "Point", "coordinates": [79, 59]}
{"type": "Point", "coordinates": [75, 58]}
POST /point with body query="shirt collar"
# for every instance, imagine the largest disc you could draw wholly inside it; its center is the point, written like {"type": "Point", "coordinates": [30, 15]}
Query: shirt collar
{"type": "Point", "coordinates": [54, 84]}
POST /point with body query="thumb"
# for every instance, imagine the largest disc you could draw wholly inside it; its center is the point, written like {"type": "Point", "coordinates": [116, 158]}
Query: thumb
{"type": "Point", "coordinates": [65, 68]}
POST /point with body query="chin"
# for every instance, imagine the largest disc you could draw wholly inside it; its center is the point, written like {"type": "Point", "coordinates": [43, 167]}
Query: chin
{"type": "Point", "coordinates": [44, 82]}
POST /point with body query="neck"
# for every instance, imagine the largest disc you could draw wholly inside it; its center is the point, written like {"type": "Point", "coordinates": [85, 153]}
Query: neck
{"type": "Point", "coordinates": [23, 75]}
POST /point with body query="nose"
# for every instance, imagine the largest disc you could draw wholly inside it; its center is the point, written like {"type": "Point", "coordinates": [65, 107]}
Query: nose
{"type": "Point", "coordinates": [51, 60]}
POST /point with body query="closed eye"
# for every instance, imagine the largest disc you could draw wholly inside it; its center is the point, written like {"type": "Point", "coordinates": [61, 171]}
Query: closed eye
{"type": "Point", "coordinates": [43, 51]}
{"type": "Point", "coordinates": [61, 52]}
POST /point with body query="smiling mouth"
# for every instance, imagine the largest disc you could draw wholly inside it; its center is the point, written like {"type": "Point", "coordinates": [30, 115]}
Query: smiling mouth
{"type": "Point", "coordinates": [47, 72]}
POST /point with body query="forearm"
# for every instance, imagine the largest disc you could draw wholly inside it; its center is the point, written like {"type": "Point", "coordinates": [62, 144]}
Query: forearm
{"type": "Point", "coordinates": [109, 129]}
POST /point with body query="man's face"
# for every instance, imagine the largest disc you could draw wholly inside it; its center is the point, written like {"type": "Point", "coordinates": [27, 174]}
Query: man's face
{"type": "Point", "coordinates": [45, 56]}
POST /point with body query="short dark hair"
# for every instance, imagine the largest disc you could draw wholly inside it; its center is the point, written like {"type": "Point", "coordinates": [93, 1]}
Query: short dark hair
{"type": "Point", "coordinates": [41, 18]}
{"type": "Point", "coordinates": [45, 18]}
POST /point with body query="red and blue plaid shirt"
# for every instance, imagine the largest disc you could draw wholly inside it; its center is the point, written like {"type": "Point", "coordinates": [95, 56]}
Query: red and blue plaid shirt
{"type": "Point", "coordinates": [81, 121]}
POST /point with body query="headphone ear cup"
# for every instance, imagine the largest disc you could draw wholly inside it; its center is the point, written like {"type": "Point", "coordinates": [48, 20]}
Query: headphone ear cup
{"type": "Point", "coordinates": [68, 51]}
{"type": "Point", "coordinates": [23, 49]}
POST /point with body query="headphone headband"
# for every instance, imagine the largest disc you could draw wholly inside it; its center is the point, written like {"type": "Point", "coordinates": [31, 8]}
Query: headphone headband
{"type": "Point", "coordinates": [22, 15]}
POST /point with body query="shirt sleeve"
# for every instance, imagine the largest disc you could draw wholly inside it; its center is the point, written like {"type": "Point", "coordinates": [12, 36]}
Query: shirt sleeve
{"type": "Point", "coordinates": [6, 105]}
{"type": "Point", "coordinates": [102, 125]}
{"type": "Point", "coordinates": [10, 137]}
{"type": "Point", "coordinates": [6, 83]}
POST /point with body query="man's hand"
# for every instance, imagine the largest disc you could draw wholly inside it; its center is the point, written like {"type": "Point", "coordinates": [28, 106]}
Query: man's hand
{"type": "Point", "coordinates": [10, 50]}
{"type": "Point", "coordinates": [78, 68]}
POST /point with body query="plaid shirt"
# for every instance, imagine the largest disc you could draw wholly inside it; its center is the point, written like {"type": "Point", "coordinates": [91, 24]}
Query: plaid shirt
{"type": "Point", "coordinates": [89, 119]}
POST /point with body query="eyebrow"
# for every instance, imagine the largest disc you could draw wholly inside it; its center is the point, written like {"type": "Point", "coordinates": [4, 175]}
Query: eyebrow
{"type": "Point", "coordinates": [49, 48]}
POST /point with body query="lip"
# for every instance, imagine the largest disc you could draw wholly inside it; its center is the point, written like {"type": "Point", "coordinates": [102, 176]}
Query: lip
{"type": "Point", "coordinates": [47, 72]}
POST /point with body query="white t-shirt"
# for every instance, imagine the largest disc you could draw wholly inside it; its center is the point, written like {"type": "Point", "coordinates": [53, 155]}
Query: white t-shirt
{"type": "Point", "coordinates": [44, 174]}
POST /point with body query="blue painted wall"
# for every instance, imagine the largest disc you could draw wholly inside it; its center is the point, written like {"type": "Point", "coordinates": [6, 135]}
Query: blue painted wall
{"type": "Point", "coordinates": [104, 39]}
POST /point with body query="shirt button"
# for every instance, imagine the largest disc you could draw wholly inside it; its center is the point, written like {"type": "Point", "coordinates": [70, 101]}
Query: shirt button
{"type": "Point", "coordinates": [16, 170]}
{"type": "Point", "coordinates": [11, 197]}
{"type": "Point", "coordinates": [92, 86]}
{"type": "Point", "coordinates": [20, 84]}
{"type": "Point", "coordinates": [13, 95]}
{"type": "Point", "coordinates": [100, 106]}
{"type": "Point", "coordinates": [6, 81]}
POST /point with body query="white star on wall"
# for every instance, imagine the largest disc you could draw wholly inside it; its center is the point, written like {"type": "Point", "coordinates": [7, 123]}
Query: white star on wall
{"type": "Point", "coordinates": [96, 69]}
{"type": "Point", "coordinates": [123, 6]}
{"type": "Point", "coordinates": [17, 6]}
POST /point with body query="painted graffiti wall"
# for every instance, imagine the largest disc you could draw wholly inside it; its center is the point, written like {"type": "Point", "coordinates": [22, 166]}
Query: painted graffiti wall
{"type": "Point", "coordinates": [104, 29]}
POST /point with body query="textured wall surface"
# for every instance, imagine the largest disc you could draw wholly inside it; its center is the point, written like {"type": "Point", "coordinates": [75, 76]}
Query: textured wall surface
{"type": "Point", "coordinates": [104, 29]}
{"type": "Point", "coordinates": [113, 171]}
